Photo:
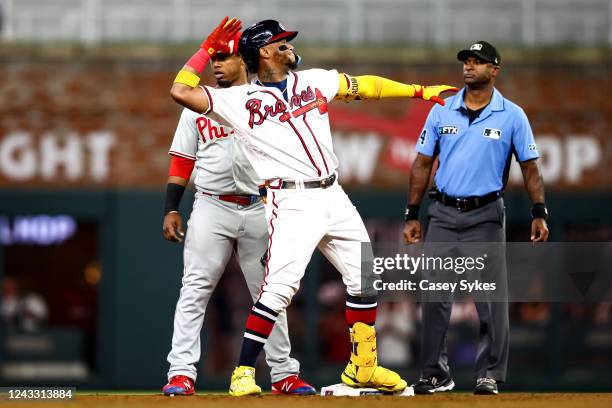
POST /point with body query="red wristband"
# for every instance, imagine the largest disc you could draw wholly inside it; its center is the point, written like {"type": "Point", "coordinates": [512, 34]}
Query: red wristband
{"type": "Point", "coordinates": [199, 60]}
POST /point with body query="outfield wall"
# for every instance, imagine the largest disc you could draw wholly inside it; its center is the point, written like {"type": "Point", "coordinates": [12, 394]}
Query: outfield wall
{"type": "Point", "coordinates": [108, 123]}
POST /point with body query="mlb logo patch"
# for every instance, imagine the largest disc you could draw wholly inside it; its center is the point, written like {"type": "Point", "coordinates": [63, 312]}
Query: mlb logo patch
{"type": "Point", "coordinates": [492, 133]}
{"type": "Point", "coordinates": [448, 130]}
{"type": "Point", "coordinates": [422, 137]}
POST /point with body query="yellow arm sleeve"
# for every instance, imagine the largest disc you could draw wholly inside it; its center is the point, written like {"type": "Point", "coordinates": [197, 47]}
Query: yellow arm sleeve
{"type": "Point", "coordinates": [374, 87]}
{"type": "Point", "coordinates": [187, 78]}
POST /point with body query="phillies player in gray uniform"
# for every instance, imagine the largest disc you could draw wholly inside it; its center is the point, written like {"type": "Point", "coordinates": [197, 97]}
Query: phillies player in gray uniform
{"type": "Point", "coordinates": [227, 213]}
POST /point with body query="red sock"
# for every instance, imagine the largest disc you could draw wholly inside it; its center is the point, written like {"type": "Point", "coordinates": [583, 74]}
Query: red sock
{"type": "Point", "coordinates": [360, 309]}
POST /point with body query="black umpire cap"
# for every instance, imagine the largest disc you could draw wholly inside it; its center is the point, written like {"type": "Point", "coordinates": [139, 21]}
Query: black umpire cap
{"type": "Point", "coordinates": [482, 50]}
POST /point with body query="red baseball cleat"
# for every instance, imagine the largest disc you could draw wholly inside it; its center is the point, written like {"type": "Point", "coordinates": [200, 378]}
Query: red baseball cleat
{"type": "Point", "coordinates": [292, 385]}
{"type": "Point", "coordinates": [179, 385]}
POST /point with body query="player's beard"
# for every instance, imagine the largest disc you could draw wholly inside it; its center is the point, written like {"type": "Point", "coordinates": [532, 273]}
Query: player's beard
{"type": "Point", "coordinates": [228, 80]}
{"type": "Point", "coordinates": [224, 83]}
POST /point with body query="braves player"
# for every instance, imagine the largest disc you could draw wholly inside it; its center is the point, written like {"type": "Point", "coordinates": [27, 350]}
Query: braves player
{"type": "Point", "coordinates": [227, 214]}
{"type": "Point", "coordinates": [281, 123]}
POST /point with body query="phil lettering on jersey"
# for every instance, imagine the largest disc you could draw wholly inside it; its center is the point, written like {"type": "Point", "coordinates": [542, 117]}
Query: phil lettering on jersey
{"type": "Point", "coordinates": [214, 132]}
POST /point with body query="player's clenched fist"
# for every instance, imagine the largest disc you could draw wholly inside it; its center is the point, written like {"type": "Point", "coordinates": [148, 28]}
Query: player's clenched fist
{"type": "Point", "coordinates": [221, 40]}
{"type": "Point", "coordinates": [432, 92]}
{"type": "Point", "coordinates": [173, 227]}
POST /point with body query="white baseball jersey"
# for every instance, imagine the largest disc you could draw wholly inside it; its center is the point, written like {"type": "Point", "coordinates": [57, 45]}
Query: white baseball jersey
{"type": "Point", "coordinates": [221, 166]}
{"type": "Point", "coordinates": [282, 139]}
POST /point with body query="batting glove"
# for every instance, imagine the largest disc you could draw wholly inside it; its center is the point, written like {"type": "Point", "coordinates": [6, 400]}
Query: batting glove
{"type": "Point", "coordinates": [432, 93]}
{"type": "Point", "coordinates": [221, 40]}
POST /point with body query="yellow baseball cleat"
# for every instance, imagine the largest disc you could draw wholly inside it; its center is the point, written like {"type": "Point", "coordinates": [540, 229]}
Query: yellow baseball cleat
{"type": "Point", "coordinates": [382, 379]}
{"type": "Point", "coordinates": [363, 369]}
{"type": "Point", "coordinates": [243, 382]}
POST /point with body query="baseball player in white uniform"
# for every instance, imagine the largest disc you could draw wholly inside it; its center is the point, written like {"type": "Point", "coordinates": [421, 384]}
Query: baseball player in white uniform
{"type": "Point", "coordinates": [281, 123]}
{"type": "Point", "coordinates": [227, 213]}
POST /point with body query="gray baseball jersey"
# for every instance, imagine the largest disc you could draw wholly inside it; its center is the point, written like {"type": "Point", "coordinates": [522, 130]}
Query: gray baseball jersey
{"type": "Point", "coordinates": [221, 166]}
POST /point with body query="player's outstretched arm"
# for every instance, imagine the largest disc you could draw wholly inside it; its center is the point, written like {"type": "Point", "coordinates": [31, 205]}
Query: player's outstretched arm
{"type": "Point", "coordinates": [375, 87]}
{"type": "Point", "coordinates": [184, 90]}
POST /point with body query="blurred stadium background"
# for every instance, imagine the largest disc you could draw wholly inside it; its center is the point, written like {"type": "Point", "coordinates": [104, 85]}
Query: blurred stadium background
{"type": "Point", "coordinates": [88, 283]}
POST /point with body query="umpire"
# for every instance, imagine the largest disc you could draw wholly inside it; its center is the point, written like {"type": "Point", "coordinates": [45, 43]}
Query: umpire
{"type": "Point", "coordinates": [474, 136]}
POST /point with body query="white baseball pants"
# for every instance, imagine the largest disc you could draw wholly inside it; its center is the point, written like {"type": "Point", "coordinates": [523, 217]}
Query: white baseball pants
{"type": "Point", "coordinates": [300, 220]}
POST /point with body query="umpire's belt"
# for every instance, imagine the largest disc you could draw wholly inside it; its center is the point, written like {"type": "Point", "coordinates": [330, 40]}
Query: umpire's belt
{"type": "Point", "coordinates": [236, 198]}
{"type": "Point", "coordinates": [464, 203]}
{"type": "Point", "coordinates": [322, 183]}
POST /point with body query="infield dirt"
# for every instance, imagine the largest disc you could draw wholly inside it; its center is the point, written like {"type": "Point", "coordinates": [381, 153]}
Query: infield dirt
{"type": "Point", "coordinates": [458, 400]}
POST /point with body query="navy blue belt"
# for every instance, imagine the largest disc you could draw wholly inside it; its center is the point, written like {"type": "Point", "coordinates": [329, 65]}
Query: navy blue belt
{"type": "Point", "coordinates": [464, 203]}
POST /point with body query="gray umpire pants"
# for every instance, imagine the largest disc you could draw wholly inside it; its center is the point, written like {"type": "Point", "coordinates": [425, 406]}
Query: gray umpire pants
{"type": "Point", "coordinates": [484, 224]}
